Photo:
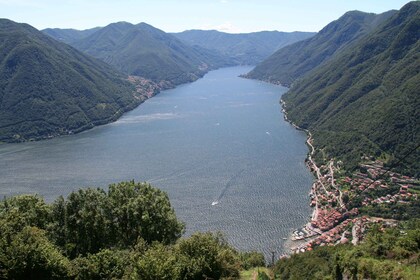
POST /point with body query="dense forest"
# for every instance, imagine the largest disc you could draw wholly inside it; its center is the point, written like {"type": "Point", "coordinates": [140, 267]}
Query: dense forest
{"type": "Point", "coordinates": [129, 232]}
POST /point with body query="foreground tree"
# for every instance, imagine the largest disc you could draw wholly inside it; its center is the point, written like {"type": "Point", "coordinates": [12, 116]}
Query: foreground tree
{"type": "Point", "coordinates": [30, 255]}
{"type": "Point", "coordinates": [139, 210]}
{"type": "Point", "coordinates": [209, 256]}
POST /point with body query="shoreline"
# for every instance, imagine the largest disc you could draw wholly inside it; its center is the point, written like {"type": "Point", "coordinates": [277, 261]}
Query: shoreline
{"type": "Point", "coordinates": [291, 243]}
{"type": "Point", "coordinates": [329, 224]}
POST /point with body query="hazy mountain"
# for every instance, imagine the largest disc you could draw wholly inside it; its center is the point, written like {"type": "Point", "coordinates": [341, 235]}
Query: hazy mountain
{"type": "Point", "coordinates": [145, 51]}
{"type": "Point", "coordinates": [247, 48]}
{"type": "Point", "coordinates": [291, 62]}
{"type": "Point", "coordinates": [48, 88]}
{"type": "Point", "coordinates": [69, 35]}
{"type": "Point", "coordinates": [365, 101]}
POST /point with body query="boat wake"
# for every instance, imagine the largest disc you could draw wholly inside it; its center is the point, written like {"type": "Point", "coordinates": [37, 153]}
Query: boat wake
{"type": "Point", "coordinates": [228, 184]}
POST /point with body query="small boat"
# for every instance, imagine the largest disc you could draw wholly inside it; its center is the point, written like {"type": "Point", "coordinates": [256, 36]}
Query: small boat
{"type": "Point", "coordinates": [214, 203]}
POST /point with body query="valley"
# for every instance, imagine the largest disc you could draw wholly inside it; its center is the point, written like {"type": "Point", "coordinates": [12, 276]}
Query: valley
{"type": "Point", "coordinates": [233, 128]}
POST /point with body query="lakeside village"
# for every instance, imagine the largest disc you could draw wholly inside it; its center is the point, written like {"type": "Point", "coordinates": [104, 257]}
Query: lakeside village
{"type": "Point", "coordinates": [335, 218]}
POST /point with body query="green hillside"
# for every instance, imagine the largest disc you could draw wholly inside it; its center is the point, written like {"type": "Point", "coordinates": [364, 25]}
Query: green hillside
{"type": "Point", "coordinates": [145, 51]}
{"type": "Point", "coordinates": [48, 88]}
{"type": "Point", "coordinates": [365, 101]}
{"type": "Point", "coordinates": [246, 48]}
{"type": "Point", "coordinates": [293, 61]}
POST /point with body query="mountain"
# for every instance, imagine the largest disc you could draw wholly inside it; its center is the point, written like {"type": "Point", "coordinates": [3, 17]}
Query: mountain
{"type": "Point", "coordinates": [365, 101]}
{"type": "Point", "coordinates": [48, 88]}
{"type": "Point", "coordinates": [293, 61]}
{"type": "Point", "coordinates": [142, 50]}
{"type": "Point", "coordinates": [247, 48]}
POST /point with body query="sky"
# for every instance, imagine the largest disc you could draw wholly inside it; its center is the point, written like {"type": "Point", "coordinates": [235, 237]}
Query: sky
{"type": "Point", "coordinates": [232, 16]}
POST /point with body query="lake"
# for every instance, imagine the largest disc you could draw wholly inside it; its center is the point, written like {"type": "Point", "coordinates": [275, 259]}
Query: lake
{"type": "Point", "coordinates": [219, 147]}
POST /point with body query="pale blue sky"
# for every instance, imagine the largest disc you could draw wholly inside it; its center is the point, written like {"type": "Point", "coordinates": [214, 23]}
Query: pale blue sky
{"type": "Point", "coordinates": [234, 16]}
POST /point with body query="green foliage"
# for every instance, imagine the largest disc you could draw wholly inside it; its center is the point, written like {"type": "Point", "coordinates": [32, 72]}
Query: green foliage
{"type": "Point", "coordinates": [208, 255]}
{"type": "Point", "coordinates": [129, 232]}
{"type": "Point", "coordinates": [159, 262]}
{"type": "Point", "coordinates": [24, 210]}
{"type": "Point", "coordinates": [252, 259]}
{"type": "Point", "coordinates": [106, 264]}
{"type": "Point", "coordinates": [141, 210]}
{"type": "Point", "coordinates": [86, 221]}
{"type": "Point", "coordinates": [262, 276]}
{"type": "Point", "coordinates": [48, 88]}
{"type": "Point", "coordinates": [30, 255]}
{"type": "Point", "coordinates": [397, 211]}
{"type": "Point", "coordinates": [91, 219]}
{"type": "Point", "coordinates": [311, 265]}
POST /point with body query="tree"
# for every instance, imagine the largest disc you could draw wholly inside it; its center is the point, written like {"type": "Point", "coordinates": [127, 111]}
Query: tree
{"type": "Point", "coordinates": [86, 221]}
{"type": "Point", "coordinates": [106, 264]}
{"type": "Point", "coordinates": [252, 259]}
{"type": "Point", "coordinates": [139, 210]}
{"type": "Point", "coordinates": [30, 255]}
{"type": "Point", "coordinates": [25, 210]}
{"type": "Point", "coordinates": [208, 255]}
{"type": "Point", "coordinates": [159, 262]}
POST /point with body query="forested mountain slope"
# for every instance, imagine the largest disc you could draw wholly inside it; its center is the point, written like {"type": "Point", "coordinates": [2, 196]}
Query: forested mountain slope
{"type": "Point", "coordinates": [145, 51]}
{"type": "Point", "coordinates": [293, 61]}
{"type": "Point", "coordinates": [48, 88]}
{"type": "Point", "coordinates": [366, 100]}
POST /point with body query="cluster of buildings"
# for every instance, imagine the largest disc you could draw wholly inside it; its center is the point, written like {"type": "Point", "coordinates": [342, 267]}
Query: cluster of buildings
{"type": "Point", "coordinates": [335, 220]}
{"type": "Point", "coordinates": [350, 230]}
{"type": "Point", "coordinates": [144, 88]}
{"type": "Point", "coordinates": [403, 196]}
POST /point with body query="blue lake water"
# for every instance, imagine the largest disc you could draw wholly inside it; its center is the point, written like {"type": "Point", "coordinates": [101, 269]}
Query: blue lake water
{"type": "Point", "coordinates": [221, 139]}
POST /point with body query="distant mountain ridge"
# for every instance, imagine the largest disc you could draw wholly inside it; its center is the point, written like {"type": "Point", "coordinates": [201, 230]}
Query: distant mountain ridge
{"type": "Point", "coordinates": [48, 88]}
{"type": "Point", "coordinates": [245, 48]}
{"type": "Point", "coordinates": [69, 35]}
{"type": "Point", "coordinates": [143, 50]}
{"type": "Point", "coordinates": [365, 100]}
{"type": "Point", "coordinates": [293, 61]}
